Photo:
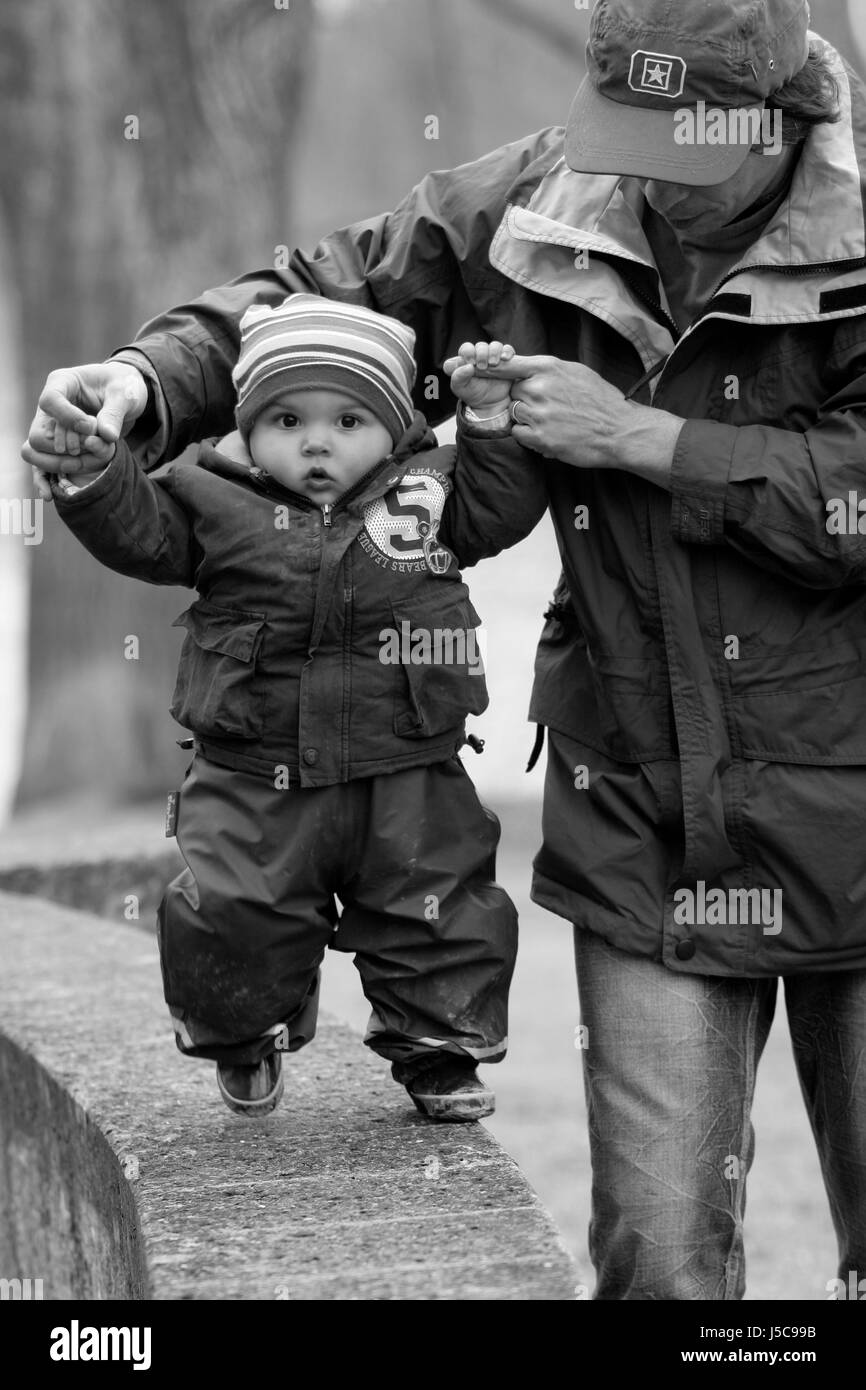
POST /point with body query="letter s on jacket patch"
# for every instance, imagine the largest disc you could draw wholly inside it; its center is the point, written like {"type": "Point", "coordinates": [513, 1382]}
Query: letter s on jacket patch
{"type": "Point", "coordinates": [403, 524]}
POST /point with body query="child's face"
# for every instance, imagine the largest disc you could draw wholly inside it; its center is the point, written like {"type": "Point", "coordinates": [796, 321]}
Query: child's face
{"type": "Point", "coordinates": [318, 443]}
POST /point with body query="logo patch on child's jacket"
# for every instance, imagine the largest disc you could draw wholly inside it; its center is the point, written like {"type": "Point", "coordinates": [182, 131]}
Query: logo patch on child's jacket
{"type": "Point", "coordinates": [401, 528]}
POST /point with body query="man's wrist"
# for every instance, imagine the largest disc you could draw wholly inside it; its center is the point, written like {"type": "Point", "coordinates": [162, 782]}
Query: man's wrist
{"type": "Point", "coordinates": [148, 436]}
{"type": "Point", "coordinates": [647, 444]}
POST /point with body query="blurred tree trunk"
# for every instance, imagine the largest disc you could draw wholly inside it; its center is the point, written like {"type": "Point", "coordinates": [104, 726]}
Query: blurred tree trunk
{"type": "Point", "coordinates": [447, 79]}
{"type": "Point", "coordinates": [146, 154]}
{"type": "Point", "coordinates": [14, 547]}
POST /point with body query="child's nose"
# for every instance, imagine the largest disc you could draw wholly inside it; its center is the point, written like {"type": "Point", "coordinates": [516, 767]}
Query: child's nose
{"type": "Point", "coordinates": [315, 441]}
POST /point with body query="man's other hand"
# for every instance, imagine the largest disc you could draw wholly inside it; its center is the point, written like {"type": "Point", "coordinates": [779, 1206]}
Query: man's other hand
{"type": "Point", "coordinates": [80, 410]}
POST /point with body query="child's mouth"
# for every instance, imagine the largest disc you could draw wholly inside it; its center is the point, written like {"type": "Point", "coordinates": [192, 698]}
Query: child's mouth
{"type": "Point", "coordinates": [319, 481]}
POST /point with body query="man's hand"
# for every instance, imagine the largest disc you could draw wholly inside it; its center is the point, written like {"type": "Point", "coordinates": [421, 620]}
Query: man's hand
{"type": "Point", "coordinates": [469, 381]}
{"type": "Point", "coordinates": [80, 411]}
{"type": "Point", "coordinates": [571, 413]}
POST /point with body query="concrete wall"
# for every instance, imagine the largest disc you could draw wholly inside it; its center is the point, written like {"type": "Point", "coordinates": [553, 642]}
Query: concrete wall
{"type": "Point", "coordinates": [67, 1214]}
{"type": "Point", "coordinates": [122, 1174]}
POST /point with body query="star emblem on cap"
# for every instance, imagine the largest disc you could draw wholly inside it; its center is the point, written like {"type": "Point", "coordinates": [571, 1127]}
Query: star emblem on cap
{"type": "Point", "coordinates": [661, 74]}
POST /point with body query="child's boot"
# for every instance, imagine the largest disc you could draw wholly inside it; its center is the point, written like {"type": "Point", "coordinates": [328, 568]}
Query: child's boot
{"type": "Point", "coordinates": [446, 1087]}
{"type": "Point", "coordinates": [252, 1090]}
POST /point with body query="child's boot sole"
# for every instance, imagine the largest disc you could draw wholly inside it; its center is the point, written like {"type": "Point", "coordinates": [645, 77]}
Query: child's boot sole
{"type": "Point", "coordinates": [253, 1109]}
{"type": "Point", "coordinates": [456, 1109]}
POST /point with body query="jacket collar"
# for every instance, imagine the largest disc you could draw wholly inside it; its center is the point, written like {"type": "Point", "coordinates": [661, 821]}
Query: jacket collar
{"type": "Point", "coordinates": [818, 237]}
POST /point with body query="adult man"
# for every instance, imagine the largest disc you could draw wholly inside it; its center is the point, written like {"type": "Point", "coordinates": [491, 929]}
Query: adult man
{"type": "Point", "coordinates": [700, 673]}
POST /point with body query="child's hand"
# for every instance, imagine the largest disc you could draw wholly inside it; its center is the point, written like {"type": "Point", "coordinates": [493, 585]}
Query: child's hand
{"type": "Point", "coordinates": [92, 451]}
{"type": "Point", "coordinates": [466, 370]}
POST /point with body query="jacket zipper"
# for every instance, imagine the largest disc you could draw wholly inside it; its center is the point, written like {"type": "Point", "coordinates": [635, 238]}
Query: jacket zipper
{"type": "Point", "coordinates": [362, 483]}
{"type": "Point", "coordinates": [306, 505]}
{"type": "Point", "coordinates": [328, 509]}
{"type": "Point", "coordinates": [654, 304]}
{"type": "Point", "coordinates": [851, 264]}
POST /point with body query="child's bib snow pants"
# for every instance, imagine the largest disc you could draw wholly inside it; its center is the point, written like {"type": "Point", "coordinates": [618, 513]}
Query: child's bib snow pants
{"type": "Point", "coordinates": [409, 856]}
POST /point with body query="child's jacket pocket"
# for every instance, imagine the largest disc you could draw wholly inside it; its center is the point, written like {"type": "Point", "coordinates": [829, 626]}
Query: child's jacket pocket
{"type": "Point", "coordinates": [441, 671]}
{"type": "Point", "coordinates": [218, 690]}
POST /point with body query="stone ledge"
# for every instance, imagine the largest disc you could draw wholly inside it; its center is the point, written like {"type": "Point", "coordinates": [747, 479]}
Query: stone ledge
{"type": "Point", "coordinates": [86, 856]}
{"type": "Point", "coordinates": [126, 1177]}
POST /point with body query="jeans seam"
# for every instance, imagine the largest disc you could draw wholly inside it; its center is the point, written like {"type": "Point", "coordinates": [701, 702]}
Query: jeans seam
{"type": "Point", "coordinates": [734, 1260]}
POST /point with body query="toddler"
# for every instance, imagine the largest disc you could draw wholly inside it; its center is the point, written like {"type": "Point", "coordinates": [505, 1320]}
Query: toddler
{"type": "Point", "coordinates": [329, 664]}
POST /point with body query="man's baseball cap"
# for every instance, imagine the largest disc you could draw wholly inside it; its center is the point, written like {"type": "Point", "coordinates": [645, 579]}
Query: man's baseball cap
{"type": "Point", "coordinates": [648, 60]}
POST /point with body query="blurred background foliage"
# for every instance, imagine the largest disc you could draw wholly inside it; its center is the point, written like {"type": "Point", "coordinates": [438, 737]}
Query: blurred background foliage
{"type": "Point", "coordinates": [258, 127]}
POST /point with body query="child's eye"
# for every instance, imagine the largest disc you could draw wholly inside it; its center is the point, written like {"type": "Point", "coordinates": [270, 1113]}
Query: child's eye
{"type": "Point", "coordinates": [348, 422]}
{"type": "Point", "coordinates": [288, 422]}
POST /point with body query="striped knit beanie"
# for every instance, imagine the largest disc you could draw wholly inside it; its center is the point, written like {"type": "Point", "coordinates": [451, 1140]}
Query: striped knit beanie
{"type": "Point", "coordinates": [311, 343]}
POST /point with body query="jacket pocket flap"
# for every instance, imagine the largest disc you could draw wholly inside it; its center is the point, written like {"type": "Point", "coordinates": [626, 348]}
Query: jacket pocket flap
{"type": "Point", "coordinates": [227, 630]}
{"type": "Point", "coordinates": [442, 668]}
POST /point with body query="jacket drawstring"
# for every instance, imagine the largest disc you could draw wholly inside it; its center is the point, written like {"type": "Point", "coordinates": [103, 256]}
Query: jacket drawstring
{"type": "Point", "coordinates": [648, 376]}
{"type": "Point", "coordinates": [536, 747]}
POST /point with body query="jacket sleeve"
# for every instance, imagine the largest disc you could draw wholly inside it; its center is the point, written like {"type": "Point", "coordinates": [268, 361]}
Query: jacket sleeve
{"type": "Point", "coordinates": [500, 495]}
{"type": "Point", "coordinates": [771, 493]}
{"type": "Point", "coordinates": [426, 263]}
{"type": "Point", "coordinates": [132, 523]}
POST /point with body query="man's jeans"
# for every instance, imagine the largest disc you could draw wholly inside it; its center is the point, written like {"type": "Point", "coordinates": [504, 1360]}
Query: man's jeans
{"type": "Point", "coordinates": [669, 1069]}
